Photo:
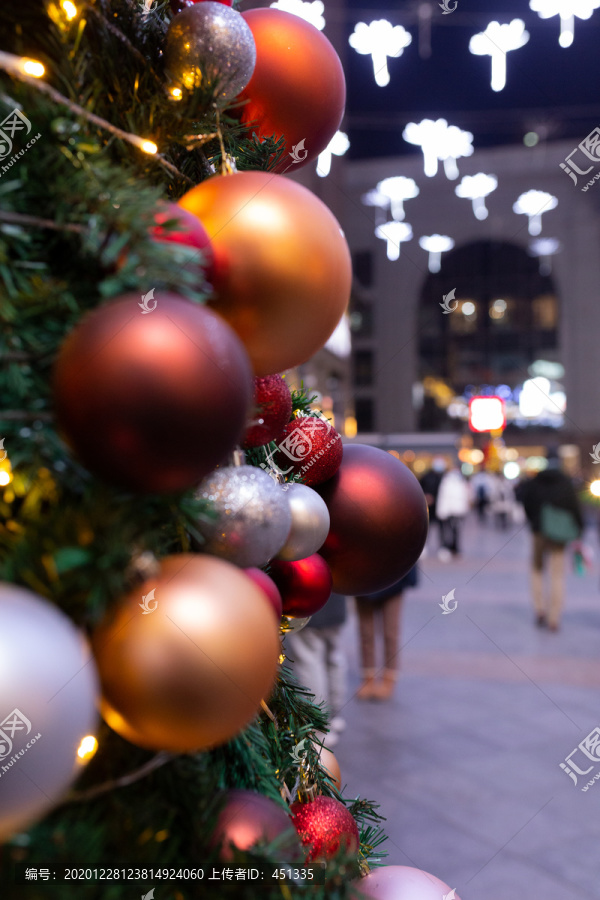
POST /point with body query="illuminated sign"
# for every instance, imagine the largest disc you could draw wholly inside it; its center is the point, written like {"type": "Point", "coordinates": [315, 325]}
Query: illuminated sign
{"type": "Point", "coordinates": [486, 414]}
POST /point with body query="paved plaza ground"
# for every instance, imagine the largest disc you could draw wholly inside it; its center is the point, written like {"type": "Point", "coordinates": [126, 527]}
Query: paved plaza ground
{"type": "Point", "coordinates": [465, 760]}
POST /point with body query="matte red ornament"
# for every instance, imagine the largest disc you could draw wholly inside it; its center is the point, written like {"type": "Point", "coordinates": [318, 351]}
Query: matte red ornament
{"type": "Point", "coordinates": [297, 90]}
{"type": "Point", "coordinates": [379, 521]}
{"type": "Point", "coordinates": [152, 402]}
{"type": "Point", "coordinates": [273, 403]}
{"type": "Point", "coordinates": [325, 827]}
{"type": "Point", "coordinates": [401, 883]}
{"type": "Point", "coordinates": [189, 233]}
{"type": "Point", "coordinates": [305, 585]}
{"type": "Point", "coordinates": [248, 818]}
{"type": "Point", "coordinates": [310, 447]}
{"type": "Point", "coordinates": [269, 588]}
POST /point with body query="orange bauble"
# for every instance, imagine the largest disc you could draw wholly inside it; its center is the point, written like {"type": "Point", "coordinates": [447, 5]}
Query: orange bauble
{"type": "Point", "coordinates": [283, 269]}
{"type": "Point", "coordinates": [189, 670]}
{"type": "Point", "coordinates": [298, 90]}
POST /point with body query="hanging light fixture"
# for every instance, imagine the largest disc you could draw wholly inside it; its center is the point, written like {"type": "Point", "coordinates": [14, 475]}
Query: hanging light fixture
{"type": "Point", "coordinates": [394, 234]}
{"type": "Point", "coordinates": [497, 41]}
{"type": "Point", "coordinates": [534, 204]}
{"type": "Point", "coordinates": [545, 249]}
{"type": "Point", "coordinates": [476, 188]}
{"type": "Point", "coordinates": [439, 141]}
{"type": "Point", "coordinates": [337, 146]}
{"type": "Point", "coordinates": [396, 190]}
{"type": "Point", "coordinates": [380, 39]}
{"type": "Point", "coordinates": [312, 12]}
{"type": "Point", "coordinates": [435, 245]}
{"type": "Point", "coordinates": [567, 10]}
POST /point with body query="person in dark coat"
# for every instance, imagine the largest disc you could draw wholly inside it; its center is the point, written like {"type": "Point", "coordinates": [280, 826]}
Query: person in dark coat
{"type": "Point", "coordinates": [554, 514]}
{"type": "Point", "coordinates": [384, 607]}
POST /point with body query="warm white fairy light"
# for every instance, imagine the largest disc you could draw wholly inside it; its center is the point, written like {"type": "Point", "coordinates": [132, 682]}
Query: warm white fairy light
{"type": "Point", "coordinates": [21, 65]}
{"type": "Point", "coordinates": [396, 190]}
{"type": "Point", "coordinates": [311, 12]}
{"type": "Point", "coordinates": [380, 39]}
{"type": "Point", "coordinates": [534, 204]}
{"type": "Point", "coordinates": [69, 8]}
{"type": "Point", "coordinates": [439, 141]}
{"type": "Point", "coordinates": [497, 41]}
{"type": "Point", "coordinates": [476, 188]}
{"type": "Point", "coordinates": [394, 234]}
{"type": "Point", "coordinates": [567, 10]}
{"type": "Point", "coordinates": [337, 146]}
{"type": "Point", "coordinates": [435, 245]}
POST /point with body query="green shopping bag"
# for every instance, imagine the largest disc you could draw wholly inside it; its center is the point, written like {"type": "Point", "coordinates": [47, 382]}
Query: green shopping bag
{"type": "Point", "coordinates": [558, 525]}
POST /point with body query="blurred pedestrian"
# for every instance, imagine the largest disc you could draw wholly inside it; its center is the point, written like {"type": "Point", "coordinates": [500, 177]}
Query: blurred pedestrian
{"type": "Point", "coordinates": [452, 506]}
{"type": "Point", "coordinates": [319, 660]}
{"type": "Point", "coordinates": [381, 612]}
{"type": "Point", "coordinates": [480, 486]}
{"type": "Point", "coordinates": [502, 499]}
{"type": "Point", "coordinates": [554, 514]}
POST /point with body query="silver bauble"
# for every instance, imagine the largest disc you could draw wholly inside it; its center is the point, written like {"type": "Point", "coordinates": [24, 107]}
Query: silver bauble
{"type": "Point", "coordinates": [48, 696]}
{"type": "Point", "coordinates": [210, 45]}
{"type": "Point", "coordinates": [253, 515]}
{"type": "Point", "coordinates": [310, 523]}
{"type": "Point", "coordinates": [292, 624]}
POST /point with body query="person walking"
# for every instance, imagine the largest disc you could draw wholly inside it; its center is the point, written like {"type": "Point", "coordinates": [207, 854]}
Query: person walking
{"type": "Point", "coordinates": [382, 612]}
{"type": "Point", "coordinates": [480, 485]}
{"type": "Point", "coordinates": [502, 501]}
{"type": "Point", "coordinates": [554, 514]}
{"type": "Point", "coordinates": [452, 506]}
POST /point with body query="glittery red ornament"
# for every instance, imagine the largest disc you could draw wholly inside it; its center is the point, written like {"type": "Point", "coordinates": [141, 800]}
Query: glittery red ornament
{"type": "Point", "coordinates": [325, 827]}
{"type": "Point", "coordinates": [269, 588]}
{"type": "Point", "coordinates": [305, 585]}
{"type": "Point", "coordinates": [248, 818]}
{"type": "Point", "coordinates": [273, 403]}
{"type": "Point", "coordinates": [378, 523]}
{"type": "Point", "coordinates": [309, 447]}
{"type": "Point", "coordinates": [189, 233]}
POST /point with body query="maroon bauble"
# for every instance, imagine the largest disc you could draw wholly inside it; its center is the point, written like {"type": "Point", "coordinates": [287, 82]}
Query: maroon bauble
{"type": "Point", "coordinates": [325, 827]}
{"type": "Point", "coordinates": [305, 585]}
{"type": "Point", "coordinates": [309, 447]}
{"type": "Point", "coordinates": [297, 90]}
{"type": "Point", "coordinates": [273, 408]}
{"type": "Point", "coordinates": [152, 402]}
{"type": "Point", "coordinates": [269, 588]}
{"type": "Point", "coordinates": [379, 521]}
{"type": "Point", "coordinates": [189, 233]}
{"type": "Point", "coordinates": [400, 883]}
{"type": "Point", "coordinates": [248, 818]}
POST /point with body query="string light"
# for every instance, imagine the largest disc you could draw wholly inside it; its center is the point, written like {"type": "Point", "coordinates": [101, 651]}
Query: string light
{"type": "Point", "coordinates": [435, 245]}
{"type": "Point", "coordinates": [497, 41]}
{"type": "Point", "coordinates": [534, 204]}
{"type": "Point", "coordinates": [476, 188]}
{"type": "Point", "coordinates": [69, 9]}
{"type": "Point", "coordinates": [338, 145]}
{"type": "Point", "coordinates": [87, 748]}
{"type": "Point", "coordinates": [394, 234]}
{"type": "Point", "coordinates": [176, 93]}
{"type": "Point", "coordinates": [21, 65]}
{"type": "Point", "coordinates": [312, 12]}
{"type": "Point", "coordinates": [439, 141]}
{"type": "Point", "coordinates": [567, 10]}
{"type": "Point", "coordinates": [380, 39]}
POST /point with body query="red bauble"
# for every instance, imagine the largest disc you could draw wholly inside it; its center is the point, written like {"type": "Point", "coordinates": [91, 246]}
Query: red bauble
{"type": "Point", "coordinates": [400, 883]}
{"type": "Point", "coordinates": [273, 403]}
{"type": "Point", "coordinates": [297, 90]}
{"type": "Point", "coordinates": [325, 827]}
{"type": "Point", "coordinates": [189, 233]}
{"type": "Point", "coordinates": [268, 587]}
{"type": "Point", "coordinates": [248, 818]}
{"type": "Point", "coordinates": [379, 521]}
{"type": "Point", "coordinates": [152, 402]}
{"type": "Point", "coordinates": [309, 447]}
{"type": "Point", "coordinates": [305, 584]}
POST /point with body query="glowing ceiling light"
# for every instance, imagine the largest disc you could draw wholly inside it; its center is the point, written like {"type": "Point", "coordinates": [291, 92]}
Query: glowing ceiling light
{"type": "Point", "coordinates": [375, 198]}
{"type": "Point", "coordinates": [496, 41]}
{"type": "Point", "coordinates": [439, 141]}
{"type": "Point", "coordinates": [476, 188]}
{"type": "Point", "coordinates": [435, 245]}
{"type": "Point", "coordinates": [534, 204]}
{"type": "Point", "coordinates": [545, 249]}
{"type": "Point", "coordinates": [394, 233]}
{"type": "Point", "coordinates": [396, 190]}
{"type": "Point", "coordinates": [380, 39]}
{"type": "Point", "coordinates": [338, 145]}
{"type": "Point", "coordinates": [567, 10]}
{"type": "Point", "coordinates": [312, 12]}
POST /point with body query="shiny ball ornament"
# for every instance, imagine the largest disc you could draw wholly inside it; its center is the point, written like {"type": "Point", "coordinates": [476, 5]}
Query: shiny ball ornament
{"type": "Point", "coordinates": [253, 515]}
{"type": "Point", "coordinates": [400, 883]}
{"type": "Point", "coordinates": [311, 448]}
{"type": "Point", "coordinates": [269, 588]}
{"type": "Point", "coordinates": [283, 265]}
{"type": "Point", "coordinates": [178, 5]}
{"type": "Point", "coordinates": [152, 402]}
{"type": "Point", "coordinates": [328, 761]}
{"type": "Point", "coordinates": [190, 237]}
{"type": "Point", "coordinates": [273, 410]}
{"type": "Point", "coordinates": [326, 828]}
{"type": "Point", "coordinates": [48, 697]}
{"type": "Point", "coordinates": [298, 90]}
{"type": "Point", "coordinates": [379, 521]}
{"type": "Point", "coordinates": [292, 624]}
{"type": "Point", "coordinates": [209, 45]}
{"type": "Point", "coordinates": [305, 584]}
{"type": "Point", "coordinates": [248, 818]}
{"type": "Point", "coordinates": [190, 674]}
{"type": "Point", "coordinates": [310, 523]}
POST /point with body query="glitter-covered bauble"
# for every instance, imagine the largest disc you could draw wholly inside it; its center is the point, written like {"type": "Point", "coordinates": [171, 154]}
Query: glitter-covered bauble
{"type": "Point", "coordinates": [400, 883]}
{"type": "Point", "coordinates": [310, 523]}
{"type": "Point", "coordinates": [253, 516]}
{"type": "Point", "coordinates": [325, 827]}
{"type": "Point", "coordinates": [178, 5]}
{"type": "Point", "coordinates": [209, 45]}
{"type": "Point", "coordinates": [309, 447]}
{"type": "Point", "coordinates": [273, 410]}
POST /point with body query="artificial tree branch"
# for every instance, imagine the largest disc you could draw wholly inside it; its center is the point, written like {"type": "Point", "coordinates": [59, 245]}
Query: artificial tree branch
{"type": "Point", "coordinates": [155, 763]}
